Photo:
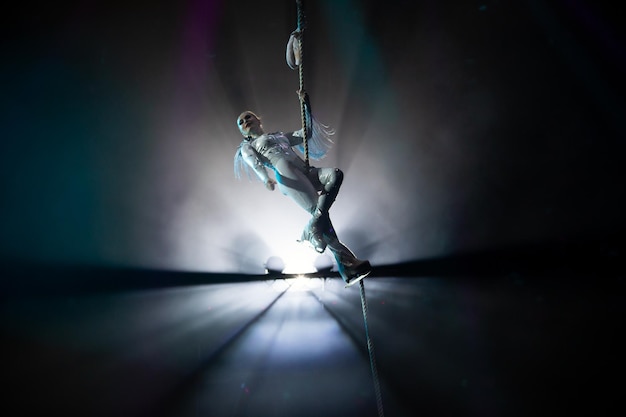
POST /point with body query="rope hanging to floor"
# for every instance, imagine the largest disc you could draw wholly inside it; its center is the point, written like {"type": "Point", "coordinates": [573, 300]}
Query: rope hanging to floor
{"type": "Point", "coordinates": [295, 58]}
{"type": "Point", "coordinates": [370, 349]}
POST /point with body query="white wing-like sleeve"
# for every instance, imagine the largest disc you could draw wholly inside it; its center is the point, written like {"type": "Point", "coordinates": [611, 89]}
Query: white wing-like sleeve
{"type": "Point", "coordinates": [240, 166]}
{"type": "Point", "coordinates": [247, 159]}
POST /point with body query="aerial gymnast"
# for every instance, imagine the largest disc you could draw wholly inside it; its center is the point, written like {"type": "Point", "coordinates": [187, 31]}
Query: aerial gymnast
{"type": "Point", "coordinates": [313, 189]}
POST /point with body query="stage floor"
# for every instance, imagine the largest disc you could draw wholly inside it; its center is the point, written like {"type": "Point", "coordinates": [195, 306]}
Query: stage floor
{"type": "Point", "coordinates": [514, 344]}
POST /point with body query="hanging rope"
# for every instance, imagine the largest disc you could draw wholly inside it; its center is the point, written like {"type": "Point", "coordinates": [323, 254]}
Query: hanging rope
{"type": "Point", "coordinates": [301, 27]}
{"type": "Point", "coordinates": [295, 58]}
{"type": "Point", "coordinates": [370, 348]}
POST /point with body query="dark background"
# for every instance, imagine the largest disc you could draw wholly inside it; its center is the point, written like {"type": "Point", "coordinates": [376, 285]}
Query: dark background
{"type": "Point", "coordinates": [483, 149]}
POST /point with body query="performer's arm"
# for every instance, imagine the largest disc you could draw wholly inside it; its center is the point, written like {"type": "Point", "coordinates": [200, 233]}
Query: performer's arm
{"type": "Point", "coordinates": [297, 137]}
{"type": "Point", "coordinates": [251, 158]}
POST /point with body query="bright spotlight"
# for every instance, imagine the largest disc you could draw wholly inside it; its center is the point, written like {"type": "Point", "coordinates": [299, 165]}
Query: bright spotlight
{"type": "Point", "coordinates": [299, 259]}
{"type": "Point", "coordinates": [302, 283]}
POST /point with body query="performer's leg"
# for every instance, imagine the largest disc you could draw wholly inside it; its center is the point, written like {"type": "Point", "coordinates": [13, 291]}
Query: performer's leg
{"type": "Point", "coordinates": [351, 269]}
{"type": "Point", "coordinates": [303, 190]}
{"type": "Point", "coordinates": [327, 181]}
{"type": "Point", "coordinates": [296, 185]}
{"type": "Point", "coordinates": [330, 180]}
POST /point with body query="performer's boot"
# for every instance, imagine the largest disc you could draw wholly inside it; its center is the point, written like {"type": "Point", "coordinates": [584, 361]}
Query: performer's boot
{"type": "Point", "coordinates": [354, 271]}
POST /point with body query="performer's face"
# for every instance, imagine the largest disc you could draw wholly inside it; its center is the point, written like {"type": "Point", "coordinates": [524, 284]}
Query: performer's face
{"type": "Point", "coordinates": [249, 124]}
